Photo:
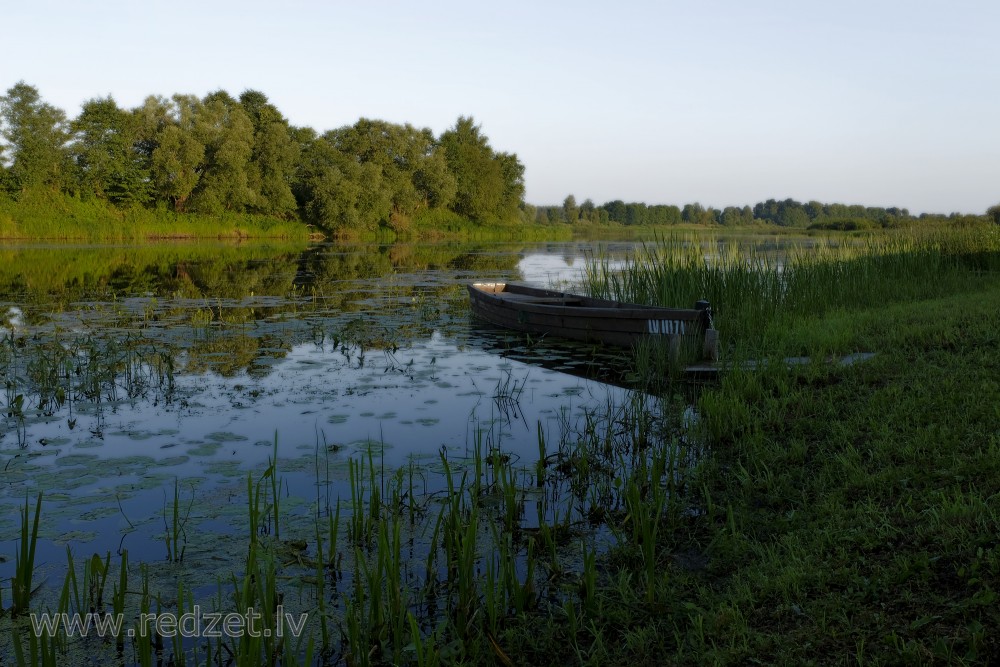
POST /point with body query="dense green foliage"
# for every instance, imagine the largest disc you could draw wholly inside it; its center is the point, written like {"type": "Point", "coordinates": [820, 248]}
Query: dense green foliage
{"type": "Point", "coordinates": [224, 156]}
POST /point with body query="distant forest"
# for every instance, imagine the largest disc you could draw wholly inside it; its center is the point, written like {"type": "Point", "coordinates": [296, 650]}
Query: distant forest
{"type": "Point", "coordinates": [221, 154]}
{"type": "Point", "coordinates": [785, 213]}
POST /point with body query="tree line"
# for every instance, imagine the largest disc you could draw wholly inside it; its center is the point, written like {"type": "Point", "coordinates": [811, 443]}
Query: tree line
{"type": "Point", "coordinates": [220, 154]}
{"type": "Point", "coordinates": [223, 154]}
{"type": "Point", "coordinates": [783, 213]}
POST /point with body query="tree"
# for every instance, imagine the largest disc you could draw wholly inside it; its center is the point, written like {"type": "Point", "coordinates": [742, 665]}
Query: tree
{"type": "Point", "coordinates": [993, 214]}
{"type": "Point", "coordinates": [3, 170]}
{"type": "Point", "coordinates": [732, 216]}
{"type": "Point", "coordinates": [273, 156]}
{"type": "Point", "coordinates": [791, 214]}
{"type": "Point", "coordinates": [269, 173]}
{"type": "Point", "coordinates": [529, 213]}
{"type": "Point", "coordinates": [512, 173]}
{"type": "Point", "coordinates": [635, 213]}
{"type": "Point", "coordinates": [224, 129]}
{"type": "Point", "coordinates": [395, 156]}
{"type": "Point", "coordinates": [693, 213]}
{"type": "Point", "coordinates": [489, 187]}
{"type": "Point", "coordinates": [766, 211]}
{"type": "Point", "coordinates": [570, 209]}
{"type": "Point", "coordinates": [37, 134]}
{"type": "Point", "coordinates": [329, 186]}
{"type": "Point", "coordinates": [435, 181]}
{"type": "Point", "coordinates": [616, 210]}
{"type": "Point", "coordinates": [166, 146]}
{"type": "Point", "coordinates": [104, 150]}
{"type": "Point", "coordinates": [175, 165]}
{"type": "Point", "coordinates": [814, 209]}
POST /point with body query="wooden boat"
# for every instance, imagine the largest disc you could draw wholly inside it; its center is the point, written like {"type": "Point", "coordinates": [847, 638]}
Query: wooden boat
{"type": "Point", "coordinates": [551, 313]}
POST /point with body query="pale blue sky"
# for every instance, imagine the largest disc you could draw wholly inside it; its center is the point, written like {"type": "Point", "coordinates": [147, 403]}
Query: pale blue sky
{"type": "Point", "coordinates": [721, 102]}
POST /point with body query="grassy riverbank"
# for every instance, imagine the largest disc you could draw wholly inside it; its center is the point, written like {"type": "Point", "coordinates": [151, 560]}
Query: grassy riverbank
{"type": "Point", "coordinates": [39, 216]}
{"type": "Point", "coordinates": [840, 515]}
{"type": "Point", "coordinates": [49, 217]}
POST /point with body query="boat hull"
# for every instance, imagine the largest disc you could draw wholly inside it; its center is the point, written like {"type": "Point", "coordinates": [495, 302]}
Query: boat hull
{"type": "Point", "coordinates": [551, 313]}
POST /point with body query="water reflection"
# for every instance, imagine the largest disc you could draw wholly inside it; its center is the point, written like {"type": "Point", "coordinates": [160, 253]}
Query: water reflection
{"type": "Point", "coordinates": [124, 369]}
{"type": "Point", "coordinates": [127, 368]}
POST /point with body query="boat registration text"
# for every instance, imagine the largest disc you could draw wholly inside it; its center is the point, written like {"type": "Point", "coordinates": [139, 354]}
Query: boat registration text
{"type": "Point", "coordinates": [667, 327]}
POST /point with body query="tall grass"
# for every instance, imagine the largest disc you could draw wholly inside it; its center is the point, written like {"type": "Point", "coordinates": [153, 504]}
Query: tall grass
{"type": "Point", "coordinates": [754, 293]}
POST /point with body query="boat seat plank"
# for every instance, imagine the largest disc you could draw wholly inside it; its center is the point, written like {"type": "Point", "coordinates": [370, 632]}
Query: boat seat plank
{"type": "Point", "coordinates": [528, 298]}
{"type": "Point", "coordinates": [552, 299]}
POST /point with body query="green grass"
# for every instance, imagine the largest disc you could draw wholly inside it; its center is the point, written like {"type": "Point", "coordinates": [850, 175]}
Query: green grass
{"type": "Point", "coordinates": [39, 215]}
{"type": "Point", "coordinates": [839, 515]}
{"type": "Point", "coordinates": [862, 502]}
{"type": "Point", "coordinates": [49, 216]}
{"type": "Point", "coordinates": [442, 224]}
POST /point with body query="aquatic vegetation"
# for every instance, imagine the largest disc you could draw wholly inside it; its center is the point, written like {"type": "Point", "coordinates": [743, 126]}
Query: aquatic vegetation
{"type": "Point", "coordinates": [175, 535]}
{"type": "Point", "coordinates": [24, 568]}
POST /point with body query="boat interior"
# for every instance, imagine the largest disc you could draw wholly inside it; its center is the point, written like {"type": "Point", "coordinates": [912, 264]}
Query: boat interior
{"type": "Point", "coordinates": [500, 289]}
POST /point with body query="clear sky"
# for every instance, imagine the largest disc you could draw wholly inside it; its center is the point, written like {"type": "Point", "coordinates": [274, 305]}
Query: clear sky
{"type": "Point", "coordinates": [722, 102]}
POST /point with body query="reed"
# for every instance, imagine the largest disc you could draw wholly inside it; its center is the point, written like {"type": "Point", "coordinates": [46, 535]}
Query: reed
{"type": "Point", "coordinates": [24, 563]}
{"type": "Point", "coordinates": [119, 593]}
{"type": "Point", "coordinates": [264, 500]}
{"type": "Point", "coordinates": [426, 652]}
{"type": "Point", "coordinates": [320, 583]}
{"type": "Point", "coordinates": [275, 480]}
{"type": "Point", "coordinates": [144, 640]}
{"type": "Point", "coordinates": [588, 580]}
{"type": "Point", "coordinates": [459, 526]}
{"type": "Point", "coordinates": [755, 294]}
{"type": "Point", "coordinates": [42, 649]}
{"type": "Point", "coordinates": [257, 589]}
{"type": "Point", "coordinates": [644, 504]}
{"type": "Point", "coordinates": [175, 535]}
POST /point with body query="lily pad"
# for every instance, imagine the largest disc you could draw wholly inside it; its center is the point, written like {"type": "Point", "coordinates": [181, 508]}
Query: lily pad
{"type": "Point", "coordinates": [226, 436]}
{"type": "Point", "coordinates": [76, 459]}
{"type": "Point", "coordinates": [205, 449]}
{"type": "Point", "coordinates": [74, 536]}
{"type": "Point", "coordinates": [173, 461]}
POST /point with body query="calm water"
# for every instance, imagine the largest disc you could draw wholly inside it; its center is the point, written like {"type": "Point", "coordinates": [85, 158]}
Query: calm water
{"type": "Point", "coordinates": [125, 369]}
